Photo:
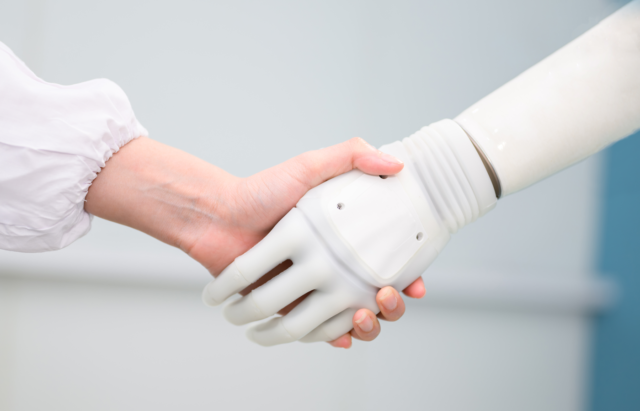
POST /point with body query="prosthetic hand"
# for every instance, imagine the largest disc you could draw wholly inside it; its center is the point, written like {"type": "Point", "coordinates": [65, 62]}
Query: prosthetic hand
{"type": "Point", "coordinates": [355, 234]}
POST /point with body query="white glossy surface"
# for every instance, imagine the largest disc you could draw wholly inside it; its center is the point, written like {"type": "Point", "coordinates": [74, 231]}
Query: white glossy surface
{"type": "Point", "coordinates": [370, 206]}
{"type": "Point", "coordinates": [569, 106]}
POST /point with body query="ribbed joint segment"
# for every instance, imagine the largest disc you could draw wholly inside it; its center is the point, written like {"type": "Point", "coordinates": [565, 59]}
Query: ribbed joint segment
{"type": "Point", "coordinates": [442, 178]}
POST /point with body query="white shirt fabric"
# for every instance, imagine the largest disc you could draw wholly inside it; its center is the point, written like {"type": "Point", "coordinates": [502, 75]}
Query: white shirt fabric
{"type": "Point", "coordinates": [53, 141]}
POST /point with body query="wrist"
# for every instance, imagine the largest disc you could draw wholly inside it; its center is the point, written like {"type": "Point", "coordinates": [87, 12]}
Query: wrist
{"type": "Point", "coordinates": [450, 172]}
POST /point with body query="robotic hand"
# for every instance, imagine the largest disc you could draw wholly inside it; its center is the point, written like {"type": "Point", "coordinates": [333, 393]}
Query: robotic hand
{"type": "Point", "coordinates": [355, 234]}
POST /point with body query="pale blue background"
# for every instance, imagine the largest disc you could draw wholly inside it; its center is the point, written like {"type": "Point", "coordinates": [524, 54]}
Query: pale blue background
{"type": "Point", "coordinates": [114, 322]}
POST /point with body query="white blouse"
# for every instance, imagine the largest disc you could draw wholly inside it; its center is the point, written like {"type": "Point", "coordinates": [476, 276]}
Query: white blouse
{"type": "Point", "coordinates": [53, 141]}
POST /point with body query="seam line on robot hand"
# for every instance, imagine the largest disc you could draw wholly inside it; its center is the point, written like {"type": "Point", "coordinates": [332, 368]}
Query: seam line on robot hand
{"type": "Point", "coordinates": [255, 305]}
{"type": "Point", "coordinates": [240, 272]}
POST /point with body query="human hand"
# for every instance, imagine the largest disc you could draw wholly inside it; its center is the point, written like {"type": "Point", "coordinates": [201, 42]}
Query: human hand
{"type": "Point", "coordinates": [215, 217]}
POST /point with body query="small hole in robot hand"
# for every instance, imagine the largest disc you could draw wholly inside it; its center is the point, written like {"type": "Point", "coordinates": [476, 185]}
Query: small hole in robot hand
{"type": "Point", "coordinates": [340, 206]}
{"type": "Point", "coordinates": [419, 236]}
{"type": "Point", "coordinates": [384, 177]}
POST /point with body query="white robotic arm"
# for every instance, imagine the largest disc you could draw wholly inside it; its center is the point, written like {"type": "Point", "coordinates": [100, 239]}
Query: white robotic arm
{"type": "Point", "coordinates": [357, 233]}
{"type": "Point", "coordinates": [569, 106]}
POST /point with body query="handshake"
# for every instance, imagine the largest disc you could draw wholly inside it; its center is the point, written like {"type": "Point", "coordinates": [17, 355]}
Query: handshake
{"type": "Point", "coordinates": [332, 261]}
{"type": "Point", "coordinates": [324, 239]}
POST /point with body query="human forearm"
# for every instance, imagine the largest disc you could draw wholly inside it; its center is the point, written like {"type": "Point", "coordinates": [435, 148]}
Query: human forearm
{"type": "Point", "coordinates": [161, 191]}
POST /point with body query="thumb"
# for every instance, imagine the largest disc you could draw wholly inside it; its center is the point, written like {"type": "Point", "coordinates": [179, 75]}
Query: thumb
{"type": "Point", "coordinates": [318, 166]}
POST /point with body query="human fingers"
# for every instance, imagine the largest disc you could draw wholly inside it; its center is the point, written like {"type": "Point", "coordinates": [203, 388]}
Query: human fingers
{"type": "Point", "coordinates": [391, 309]}
{"type": "Point", "coordinates": [366, 326]}
{"type": "Point", "coordinates": [315, 167]}
{"type": "Point", "coordinates": [390, 303]}
{"type": "Point", "coordinates": [341, 342]}
{"type": "Point", "coordinates": [416, 289]}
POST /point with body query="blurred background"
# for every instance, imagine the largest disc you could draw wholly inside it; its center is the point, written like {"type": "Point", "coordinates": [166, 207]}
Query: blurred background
{"type": "Point", "coordinates": [521, 313]}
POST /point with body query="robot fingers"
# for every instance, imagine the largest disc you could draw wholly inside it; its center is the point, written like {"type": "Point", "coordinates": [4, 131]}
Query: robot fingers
{"type": "Point", "coordinates": [314, 310]}
{"type": "Point", "coordinates": [277, 293]}
{"type": "Point", "coordinates": [279, 245]}
{"type": "Point", "coordinates": [270, 333]}
{"type": "Point", "coordinates": [229, 282]}
{"type": "Point", "coordinates": [332, 328]}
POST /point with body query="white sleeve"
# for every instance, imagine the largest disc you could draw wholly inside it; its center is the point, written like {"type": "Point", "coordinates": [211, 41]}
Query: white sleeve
{"type": "Point", "coordinates": [53, 141]}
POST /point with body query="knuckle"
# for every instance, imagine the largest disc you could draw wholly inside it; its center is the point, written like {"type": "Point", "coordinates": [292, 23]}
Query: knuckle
{"type": "Point", "coordinates": [358, 143]}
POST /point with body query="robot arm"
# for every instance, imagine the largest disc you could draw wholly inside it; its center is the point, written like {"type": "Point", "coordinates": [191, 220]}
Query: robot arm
{"type": "Point", "coordinates": [569, 106]}
{"type": "Point", "coordinates": [357, 233]}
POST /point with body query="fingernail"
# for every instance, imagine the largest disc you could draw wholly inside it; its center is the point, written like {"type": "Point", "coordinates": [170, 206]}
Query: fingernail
{"type": "Point", "coordinates": [389, 158]}
{"type": "Point", "coordinates": [365, 323]}
{"type": "Point", "coordinates": [389, 300]}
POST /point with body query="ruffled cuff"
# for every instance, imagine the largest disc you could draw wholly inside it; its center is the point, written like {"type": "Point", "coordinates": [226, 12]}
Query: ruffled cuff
{"type": "Point", "coordinates": [53, 142]}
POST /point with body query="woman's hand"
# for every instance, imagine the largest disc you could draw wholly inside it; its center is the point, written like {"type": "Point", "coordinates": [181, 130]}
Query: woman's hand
{"type": "Point", "coordinates": [215, 217]}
